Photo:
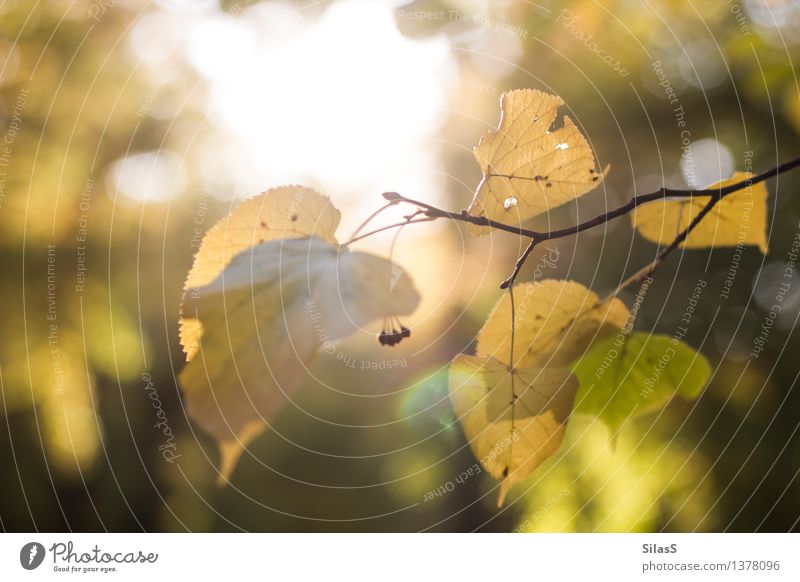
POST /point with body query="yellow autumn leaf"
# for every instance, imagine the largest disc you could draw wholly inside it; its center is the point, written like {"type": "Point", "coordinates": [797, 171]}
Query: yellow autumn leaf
{"type": "Point", "coordinates": [556, 322]}
{"type": "Point", "coordinates": [514, 421]}
{"type": "Point", "coordinates": [280, 213]}
{"type": "Point", "coordinates": [527, 168]}
{"type": "Point", "coordinates": [267, 313]}
{"type": "Point", "coordinates": [738, 218]}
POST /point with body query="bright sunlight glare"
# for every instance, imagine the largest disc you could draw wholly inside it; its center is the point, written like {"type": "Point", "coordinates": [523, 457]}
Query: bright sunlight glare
{"type": "Point", "coordinates": [343, 102]}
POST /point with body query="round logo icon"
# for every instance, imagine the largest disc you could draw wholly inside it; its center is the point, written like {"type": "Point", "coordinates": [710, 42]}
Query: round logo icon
{"type": "Point", "coordinates": [31, 555]}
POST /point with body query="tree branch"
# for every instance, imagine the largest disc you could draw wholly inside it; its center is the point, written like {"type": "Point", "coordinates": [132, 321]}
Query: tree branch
{"type": "Point", "coordinates": [536, 237]}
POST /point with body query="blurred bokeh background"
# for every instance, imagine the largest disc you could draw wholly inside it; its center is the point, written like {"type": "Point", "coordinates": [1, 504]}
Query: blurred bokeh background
{"type": "Point", "coordinates": [130, 126]}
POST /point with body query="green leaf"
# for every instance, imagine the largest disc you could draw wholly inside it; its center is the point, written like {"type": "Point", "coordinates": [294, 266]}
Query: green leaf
{"type": "Point", "coordinates": [623, 377]}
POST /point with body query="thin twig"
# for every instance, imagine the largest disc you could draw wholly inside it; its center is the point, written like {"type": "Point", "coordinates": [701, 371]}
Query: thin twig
{"type": "Point", "coordinates": [518, 266]}
{"type": "Point", "coordinates": [434, 213]}
{"type": "Point", "coordinates": [370, 218]}
{"type": "Point", "coordinates": [682, 236]}
{"type": "Point", "coordinates": [389, 226]}
{"type": "Point", "coordinates": [648, 270]}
